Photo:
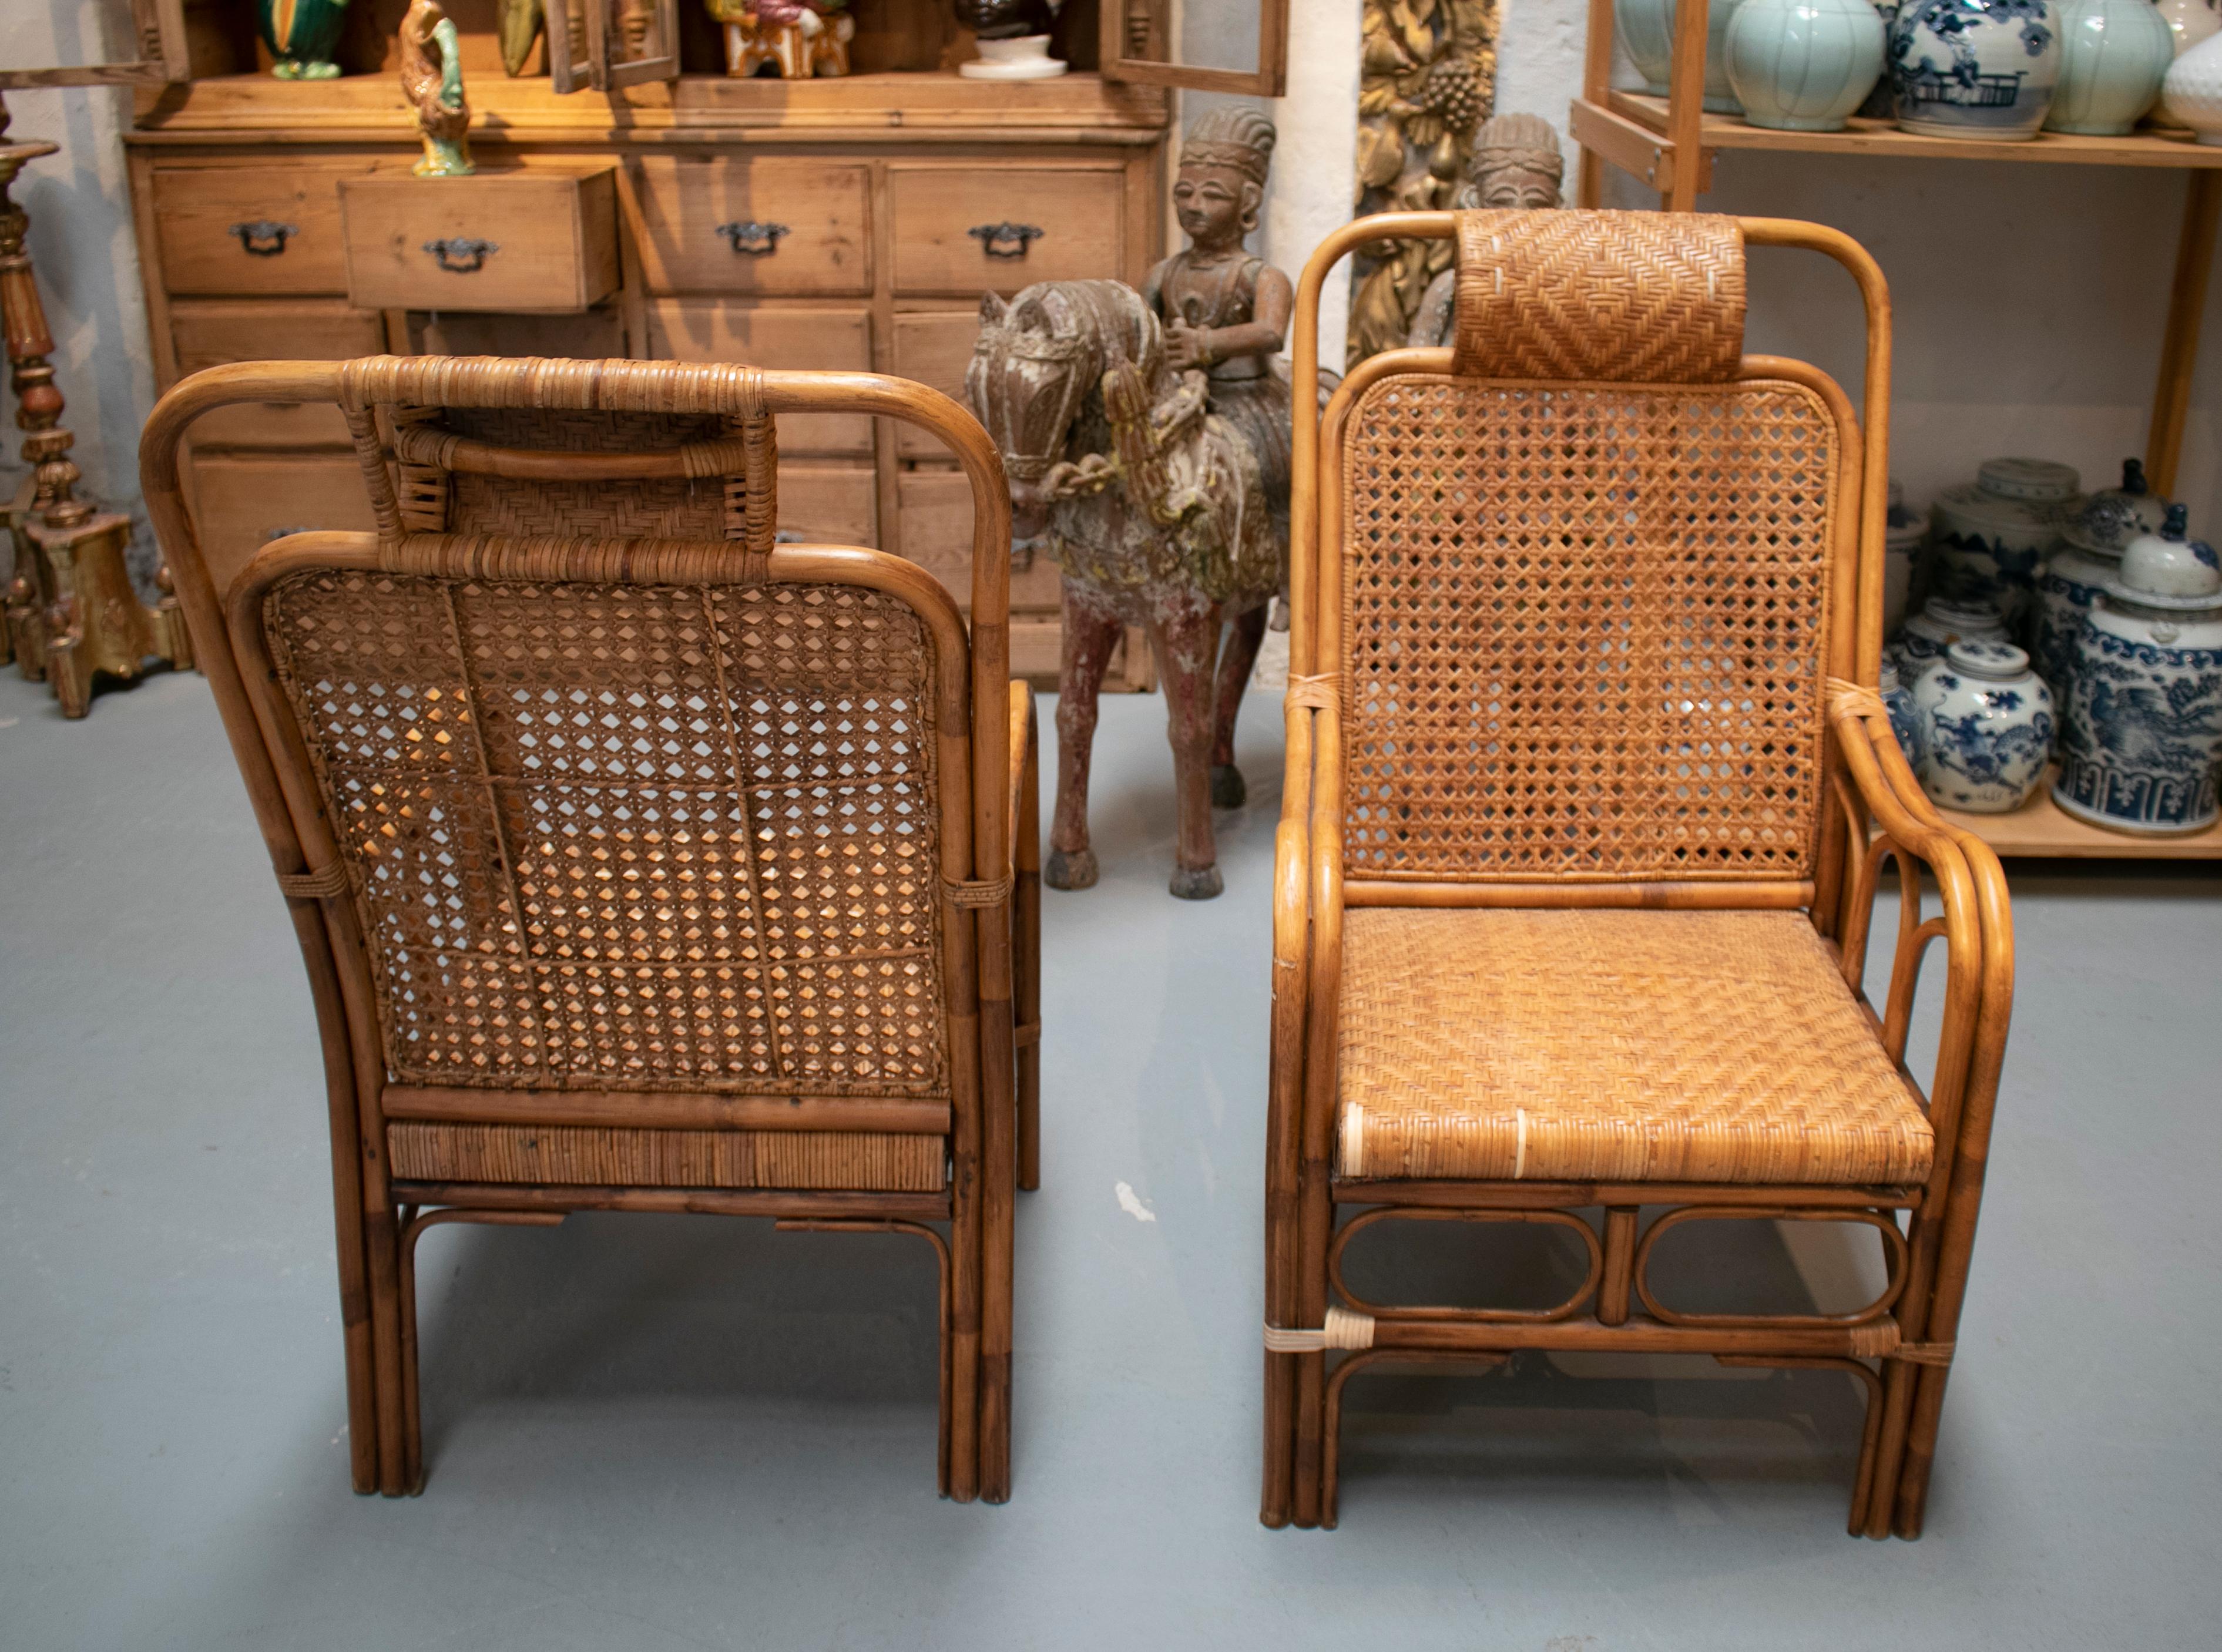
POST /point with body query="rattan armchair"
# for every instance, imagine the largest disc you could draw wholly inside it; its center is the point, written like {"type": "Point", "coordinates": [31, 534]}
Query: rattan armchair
{"type": "Point", "coordinates": [1588, 795]}
{"type": "Point", "coordinates": [639, 863]}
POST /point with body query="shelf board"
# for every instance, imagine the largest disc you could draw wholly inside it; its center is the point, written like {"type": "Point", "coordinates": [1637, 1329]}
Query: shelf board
{"type": "Point", "coordinates": [2149, 147]}
{"type": "Point", "coordinates": [2041, 828]}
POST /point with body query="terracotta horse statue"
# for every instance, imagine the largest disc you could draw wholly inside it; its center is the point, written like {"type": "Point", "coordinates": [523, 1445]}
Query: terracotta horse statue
{"type": "Point", "coordinates": [1155, 509]}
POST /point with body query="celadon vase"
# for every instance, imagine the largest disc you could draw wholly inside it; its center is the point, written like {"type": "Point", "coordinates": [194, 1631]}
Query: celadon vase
{"type": "Point", "coordinates": [1804, 66]}
{"type": "Point", "coordinates": [1647, 28]}
{"type": "Point", "coordinates": [301, 34]}
{"type": "Point", "coordinates": [2113, 54]}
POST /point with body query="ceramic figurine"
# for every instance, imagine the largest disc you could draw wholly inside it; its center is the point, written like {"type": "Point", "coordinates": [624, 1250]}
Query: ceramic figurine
{"type": "Point", "coordinates": [1974, 68]}
{"type": "Point", "coordinates": [793, 39]}
{"type": "Point", "coordinates": [1149, 481]}
{"type": "Point", "coordinates": [1940, 623]}
{"type": "Point", "coordinates": [2192, 93]}
{"type": "Point", "coordinates": [2190, 22]}
{"type": "Point", "coordinates": [432, 82]}
{"type": "Point", "coordinates": [2091, 555]}
{"type": "Point", "coordinates": [1987, 539]}
{"type": "Point", "coordinates": [1904, 715]}
{"type": "Point", "coordinates": [2142, 734]}
{"type": "Point", "coordinates": [1986, 728]}
{"type": "Point", "coordinates": [1804, 66]}
{"type": "Point", "coordinates": [1516, 166]}
{"type": "Point", "coordinates": [1904, 534]}
{"type": "Point", "coordinates": [301, 34]}
{"type": "Point", "coordinates": [2112, 56]}
{"type": "Point", "coordinates": [519, 24]}
{"type": "Point", "coordinates": [1647, 27]}
{"type": "Point", "coordinates": [1013, 36]}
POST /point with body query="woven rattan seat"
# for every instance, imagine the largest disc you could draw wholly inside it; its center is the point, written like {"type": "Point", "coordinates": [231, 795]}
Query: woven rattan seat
{"type": "Point", "coordinates": [1625, 1046]}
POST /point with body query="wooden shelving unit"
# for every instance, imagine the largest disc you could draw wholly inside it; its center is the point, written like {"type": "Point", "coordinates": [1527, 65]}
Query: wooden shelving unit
{"type": "Point", "coordinates": [1670, 142]}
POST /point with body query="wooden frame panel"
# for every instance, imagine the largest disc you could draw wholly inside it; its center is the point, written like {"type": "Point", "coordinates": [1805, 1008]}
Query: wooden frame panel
{"type": "Point", "coordinates": [1136, 48]}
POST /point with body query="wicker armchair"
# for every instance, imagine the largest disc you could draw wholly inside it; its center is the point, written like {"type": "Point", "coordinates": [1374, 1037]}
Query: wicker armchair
{"type": "Point", "coordinates": [638, 863]}
{"type": "Point", "coordinates": [1588, 795]}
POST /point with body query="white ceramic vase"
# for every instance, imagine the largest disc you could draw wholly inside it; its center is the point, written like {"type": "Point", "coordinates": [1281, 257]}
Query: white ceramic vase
{"type": "Point", "coordinates": [2193, 90]}
{"type": "Point", "coordinates": [2112, 56]}
{"type": "Point", "coordinates": [1986, 728]}
{"type": "Point", "coordinates": [1804, 66]}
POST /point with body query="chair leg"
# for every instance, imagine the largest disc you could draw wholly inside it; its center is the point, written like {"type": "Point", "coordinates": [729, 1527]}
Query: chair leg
{"type": "Point", "coordinates": [1026, 962]}
{"type": "Point", "coordinates": [999, 1193]}
{"type": "Point", "coordinates": [1912, 1498]}
{"type": "Point", "coordinates": [382, 1253]}
{"type": "Point", "coordinates": [1277, 1500]}
{"type": "Point", "coordinates": [964, 1247]}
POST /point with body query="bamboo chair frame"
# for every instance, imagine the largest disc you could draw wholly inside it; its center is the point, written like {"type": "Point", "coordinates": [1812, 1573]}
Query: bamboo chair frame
{"type": "Point", "coordinates": [989, 914]}
{"type": "Point", "coordinates": [1872, 813]}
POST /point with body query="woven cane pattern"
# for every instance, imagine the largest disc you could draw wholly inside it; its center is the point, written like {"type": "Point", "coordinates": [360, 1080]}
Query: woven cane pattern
{"type": "Point", "coordinates": [679, 508]}
{"type": "Point", "coordinates": [1653, 298]}
{"type": "Point", "coordinates": [1583, 629]}
{"type": "Point", "coordinates": [633, 837]}
{"type": "Point", "coordinates": [1598, 1045]}
{"type": "Point", "coordinates": [573, 1156]}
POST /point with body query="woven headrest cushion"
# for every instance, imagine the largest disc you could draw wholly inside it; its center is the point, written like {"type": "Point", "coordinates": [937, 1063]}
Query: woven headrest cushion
{"type": "Point", "coordinates": [1655, 298]}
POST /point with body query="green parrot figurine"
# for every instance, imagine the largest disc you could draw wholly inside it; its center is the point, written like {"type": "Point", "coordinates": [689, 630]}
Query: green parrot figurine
{"type": "Point", "coordinates": [301, 34]}
{"type": "Point", "coordinates": [519, 24]}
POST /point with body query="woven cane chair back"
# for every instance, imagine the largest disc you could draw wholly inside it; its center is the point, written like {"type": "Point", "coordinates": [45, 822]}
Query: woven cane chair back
{"type": "Point", "coordinates": [1582, 576]}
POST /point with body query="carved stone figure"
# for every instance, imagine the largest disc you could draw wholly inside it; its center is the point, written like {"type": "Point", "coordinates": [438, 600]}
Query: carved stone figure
{"type": "Point", "coordinates": [1155, 507]}
{"type": "Point", "coordinates": [1517, 167]}
{"type": "Point", "coordinates": [1428, 74]}
{"type": "Point", "coordinates": [796, 39]}
{"type": "Point", "coordinates": [432, 81]}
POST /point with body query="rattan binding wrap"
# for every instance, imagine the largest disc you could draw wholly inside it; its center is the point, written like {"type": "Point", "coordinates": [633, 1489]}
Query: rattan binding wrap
{"type": "Point", "coordinates": [1620, 296]}
{"type": "Point", "coordinates": [1613, 1045]}
{"type": "Point", "coordinates": [567, 1156]}
{"type": "Point", "coordinates": [1586, 628]}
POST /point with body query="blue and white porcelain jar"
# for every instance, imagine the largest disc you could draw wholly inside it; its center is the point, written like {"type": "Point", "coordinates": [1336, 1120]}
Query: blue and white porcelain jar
{"type": "Point", "coordinates": [1974, 68]}
{"type": "Point", "coordinates": [1803, 65]}
{"type": "Point", "coordinates": [2091, 555]}
{"type": "Point", "coordinates": [1647, 29]}
{"type": "Point", "coordinates": [1904, 534]}
{"type": "Point", "coordinates": [1986, 728]}
{"type": "Point", "coordinates": [1987, 538]}
{"type": "Point", "coordinates": [1940, 623]}
{"type": "Point", "coordinates": [2142, 735]}
{"type": "Point", "coordinates": [2113, 55]}
{"type": "Point", "coordinates": [1904, 715]}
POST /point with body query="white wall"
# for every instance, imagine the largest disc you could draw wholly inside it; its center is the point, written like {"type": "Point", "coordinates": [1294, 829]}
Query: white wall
{"type": "Point", "coordinates": [83, 248]}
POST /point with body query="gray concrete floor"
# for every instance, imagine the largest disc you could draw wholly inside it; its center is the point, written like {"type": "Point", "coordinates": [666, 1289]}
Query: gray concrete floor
{"type": "Point", "coordinates": [688, 1432]}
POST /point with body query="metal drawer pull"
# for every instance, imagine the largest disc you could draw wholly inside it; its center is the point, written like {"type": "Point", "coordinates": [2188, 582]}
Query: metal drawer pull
{"type": "Point", "coordinates": [463, 256]}
{"type": "Point", "coordinates": [264, 238]}
{"type": "Point", "coordinates": [1006, 240]}
{"type": "Point", "coordinates": [756, 240]}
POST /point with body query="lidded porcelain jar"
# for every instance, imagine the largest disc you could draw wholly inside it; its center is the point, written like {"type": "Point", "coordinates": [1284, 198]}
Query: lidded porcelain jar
{"type": "Point", "coordinates": [2112, 56]}
{"type": "Point", "coordinates": [2143, 735]}
{"type": "Point", "coordinates": [1647, 28]}
{"type": "Point", "coordinates": [1987, 538]}
{"type": "Point", "coordinates": [1940, 623]}
{"type": "Point", "coordinates": [1905, 532]}
{"type": "Point", "coordinates": [1986, 728]}
{"type": "Point", "coordinates": [1974, 68]}
{"type": "Point", "coordinates": [1904, 715]}
{"type": "Point", "coordinates": [2193, 90]}
{"type": "Point", "coordinates": [2091, 555]}
{"type": "Point", "coordinates": [1804, 66]}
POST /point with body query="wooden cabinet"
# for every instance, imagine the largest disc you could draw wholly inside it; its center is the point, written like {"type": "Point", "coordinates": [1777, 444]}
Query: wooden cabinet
{"type": "Point", "coordinates": [843, 224]}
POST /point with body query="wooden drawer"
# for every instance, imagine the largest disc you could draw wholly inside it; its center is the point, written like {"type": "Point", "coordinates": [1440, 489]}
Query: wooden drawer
{"type": "Point", "coordinates": [1079, 211]}
{"type": "Point", "coordinates": [935, 533]}
{"type": "Point", "coordinates": [721, 330]}
{"type": "Point", "coordinates": [239, 502]}
{"type": "Point", "coordinates": [274, 227]}
{"type": "Point", "coordinates": [830, 504]}
{"type": "Point", "coordinates": [812, 221]}
{"type": "Point", "coordinates": [933, 347]}
{"type": "Point", "coordinates": [597, 334]}
{"type": "Point", "coordinates": [516, 240]}
{"type": "Point", "coordinates": [212, 332]}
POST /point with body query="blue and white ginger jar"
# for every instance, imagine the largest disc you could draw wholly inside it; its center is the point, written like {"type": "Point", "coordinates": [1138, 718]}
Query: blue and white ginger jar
{"type": "Point", "coordinates": [2143, 735]}
{"type": "Point", "coordinates": [1940, 623]}
{"type": "Point", "coordinates": [1987, 538]}
{"type": "Point", "coordinates": [1986, 728]}
{"type": "Point", "coordinates": [2113, 55]}
{"type": "Point", "coordinates": [2091, 555]}
{"type": "Point", "coordinates": [1803, 65]}
{"type": "Point", "coordinates": [1974, 68]}
{"type": "Point", "coordinates": [1904, 715]}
